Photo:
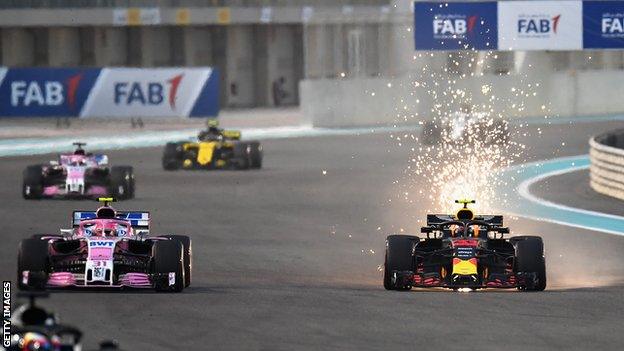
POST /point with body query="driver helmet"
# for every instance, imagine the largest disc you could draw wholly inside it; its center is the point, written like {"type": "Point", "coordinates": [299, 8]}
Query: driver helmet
{"type": "Point", "coordinates": [105, 229]}
{"type": "Point", "coordinates": [212, 123]}
{"type": "Point", "coordinates": [77, 160]}
{"type": "Point", "coordinates": [37, 342]}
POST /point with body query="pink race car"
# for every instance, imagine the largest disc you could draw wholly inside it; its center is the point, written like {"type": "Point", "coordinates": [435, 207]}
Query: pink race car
{"type": "Point", "coordinates": [105, 249]}
{"type": "Point", "coordinates": [78, 175]}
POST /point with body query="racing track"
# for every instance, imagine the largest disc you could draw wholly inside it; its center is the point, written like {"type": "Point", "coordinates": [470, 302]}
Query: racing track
{"type": "Point", "coordinates": [279, 264]}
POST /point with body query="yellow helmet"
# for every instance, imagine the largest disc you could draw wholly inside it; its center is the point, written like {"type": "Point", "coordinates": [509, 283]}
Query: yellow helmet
{"type": "Point", "coordinates": [212, 122]}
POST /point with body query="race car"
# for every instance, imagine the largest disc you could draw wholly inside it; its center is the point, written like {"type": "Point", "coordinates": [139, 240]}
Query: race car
{"type": "Point", "coordinates": [466, 126]}
{"type": "Point", "coordinates": [215, 149]}
{"type": "Point", "coordinates": [34, 328]}
{"type": "Point", "coordinates": [78, 175]}
{"type": "Point", "coordinates": [464, 252]}
{"type": "Point", "coordinates": [105, 249]}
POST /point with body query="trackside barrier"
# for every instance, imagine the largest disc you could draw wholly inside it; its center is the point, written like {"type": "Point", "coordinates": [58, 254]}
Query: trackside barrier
{"type": "Point", "coordinates": [606, 155]}
{"type": "Point", "coordinates": [109, 92]}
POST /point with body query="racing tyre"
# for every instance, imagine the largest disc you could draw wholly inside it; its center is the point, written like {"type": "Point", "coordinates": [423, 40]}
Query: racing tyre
{"type": "Point", "coordinates": [168, 256]}
{"type": "Point", "coordinates": [172, 157]}
{"type": "Point", "coordinates": [399, 250]}
{"type": "Point", "coordinates": [530, 259]}
{"type": "Point", "coordinates": [188, 256]}
{"type": "Point", "coordinates": [241, 155]}
{"type": "Point", "coordinates": [515, 239]}
{"type": "Point", "coordinates": [431, 134]}
{"type": "Point", "coordinates": [255, 154]}
{"type": "Point", "coordinates": [32, 187]}
{"type": "Point", "coordinates": [32, 256]}
{"type": "Point", "coordinates": [122, 182]}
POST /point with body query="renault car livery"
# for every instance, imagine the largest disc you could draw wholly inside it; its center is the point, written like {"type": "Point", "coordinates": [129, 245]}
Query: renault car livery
{"type": "Point", "coordinates": [215, 149]}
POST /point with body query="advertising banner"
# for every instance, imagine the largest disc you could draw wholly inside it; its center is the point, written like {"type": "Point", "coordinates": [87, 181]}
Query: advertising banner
{"type": "Point", "coordinates": [603, 24]}
{"type": "Point", "coordinates": [455, 26]}
{"type": "Point", "coordinates": [540, 25]}
{"type": "Point", "coordinates": [45, 92]}
{"type": "Point", "coordinates": [109, 92]}
{"type": "Point", "coordinates": [156, 92]}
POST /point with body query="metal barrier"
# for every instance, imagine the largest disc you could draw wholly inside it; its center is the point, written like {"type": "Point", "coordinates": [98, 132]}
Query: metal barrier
{"type": "Point", "coordinates": [606, 155]}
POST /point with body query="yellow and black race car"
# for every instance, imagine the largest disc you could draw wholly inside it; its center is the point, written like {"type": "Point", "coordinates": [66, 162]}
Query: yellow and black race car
{"type": "Point", "coordinates": [215, 149]}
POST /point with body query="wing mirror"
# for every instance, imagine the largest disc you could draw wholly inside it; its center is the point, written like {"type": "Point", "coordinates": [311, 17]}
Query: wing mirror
{"type": "Point", "coordinates": [67, 232]}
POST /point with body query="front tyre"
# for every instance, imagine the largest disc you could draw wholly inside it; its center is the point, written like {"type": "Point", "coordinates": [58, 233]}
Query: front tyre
{"type": "Point", "coordinates": [168, 257]}
{"type": "Point", "coordinates": [122, 182]}
{"type": "Point", "coordinates": [32, 186]}
{"type": "Point", "coordinates": [32, 256]}
{"type": "Point", "coordinates": [398, 257]}
{"type": "Point", "coordinates": [172, 157]}
{"type": "Point", "coordinates": [530, 262]}
{"type": "Point", "coordinates": [187, 246]}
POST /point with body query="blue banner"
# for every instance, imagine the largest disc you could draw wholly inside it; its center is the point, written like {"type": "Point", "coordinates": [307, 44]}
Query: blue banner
{"type": "Point", "coordinates": [109, 92]}
{"type": "Point", "coordinates": [207, 104]}
{"type": "Point", "coordinates": [603, 24]}
{"type": "Point", "coordinates": [45, 92]}
{"type": "Point", "coordinates": [455, 26]}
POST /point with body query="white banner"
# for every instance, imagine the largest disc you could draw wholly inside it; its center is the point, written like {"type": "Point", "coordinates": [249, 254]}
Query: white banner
{"type": "Point", "coordinates": [540, 25]}
{"type": "Point", "coordinates": [136, 92]}
{"type": "Point", "coordinates": [136, 16]}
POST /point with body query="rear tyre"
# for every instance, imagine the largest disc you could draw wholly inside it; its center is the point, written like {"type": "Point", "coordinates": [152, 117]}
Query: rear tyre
{"type": "Point", "coordinates": [399, 257]}
{"type": "Point", "coordinates": [168, 257]}
{"type": "Point", "coordinates": [172, 157]}
{"type": "Point", "coordinates": [121, 184]}
{"type": "Point", "coordinates": [186, 243]}
{"type": "Point", "coordinates": [431, 134]}
{"type": "Point", "coordinates": [255, 154]}
{"type": "Point", "coordinates": [530, 259]}
{"type": "Point", "coordinates": [32, 256]}
{"type": "Point", "coordinates": [32, 187]}
{"type": "Point", "coordinates": [242, 158]}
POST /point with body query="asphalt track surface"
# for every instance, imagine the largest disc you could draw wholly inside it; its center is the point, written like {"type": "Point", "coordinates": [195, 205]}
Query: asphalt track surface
{"type": "Point", "coordinates": [283, 260]}
{"type": "Point", "coordinates": [572, 189]}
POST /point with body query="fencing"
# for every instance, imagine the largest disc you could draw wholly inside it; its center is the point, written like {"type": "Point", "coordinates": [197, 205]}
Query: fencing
{"type": "Point", "coordinates": [606, 155]}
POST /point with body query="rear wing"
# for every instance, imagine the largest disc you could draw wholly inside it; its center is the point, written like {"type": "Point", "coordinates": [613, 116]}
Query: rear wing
{"type": "Point", "coordinates": [495, 220]}
{"type": "Point", "coordinates": [231, 134]}
{"type": "Point", "coordinates": [139, 221]}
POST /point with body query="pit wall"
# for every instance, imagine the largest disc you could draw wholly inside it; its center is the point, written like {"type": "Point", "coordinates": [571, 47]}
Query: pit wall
{"type": "Point", "coordinates": [606, 155]}
{"type": "Point", "coordinates": [379, 101]}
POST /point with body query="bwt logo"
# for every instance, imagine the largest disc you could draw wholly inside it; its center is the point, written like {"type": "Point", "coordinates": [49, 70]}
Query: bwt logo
{"type": "Point", "coordinates": [453, 25]}
{"type": "Point", "coordinates": [147, 93]}
{"type": "Point", "coordinates": [101, 243]}
{"type": "Point", "coordinates": [612, 25]}
{"type": "Point", "coordinates": [45, 93]}
{"type": "Point", "coordinates": [538, 25]}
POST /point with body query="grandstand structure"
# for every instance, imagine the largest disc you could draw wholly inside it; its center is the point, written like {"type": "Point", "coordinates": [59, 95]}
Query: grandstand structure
{"type": "Point", "coordinates": [258, 46]}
